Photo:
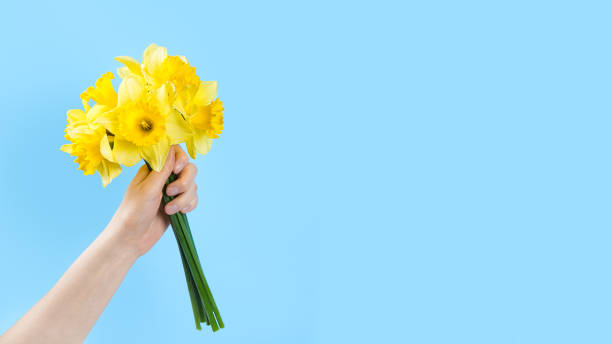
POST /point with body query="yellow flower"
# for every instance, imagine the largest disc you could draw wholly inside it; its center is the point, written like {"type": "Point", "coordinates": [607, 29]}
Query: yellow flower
{"type": "Point", "coordinates": [141, 123]}
{"type": "Point", "coordinates": [209, 118]}
{"type": "Point", "coordinates": [87, 134]}
{"type": "Point", "coordinates": [205, 114]}
{"type": "Point", "coordinates": [144, 124]}
{"type": "Point", "coordinates": [88, 141]}
{"type": "Point", "coordinates": [158, 68]}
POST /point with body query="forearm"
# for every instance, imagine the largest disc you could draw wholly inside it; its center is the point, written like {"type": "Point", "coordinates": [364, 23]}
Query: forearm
{"type": "Point", "coordinates": [70, 309]}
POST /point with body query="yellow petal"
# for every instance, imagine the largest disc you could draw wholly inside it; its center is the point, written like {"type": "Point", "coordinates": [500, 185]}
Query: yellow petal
{"type": "Point", "coordinates": [131, 63]}
{"type": "Point", "coordinates": [206, 93]}
{"type": "Point", "coordinates": [152, 58]}
{"type": "Point", "coordinates": [75, 115]}
{"type": "Point", "coordinates": [78, 128]}
{"type": "Point", "coordinates": [177, 128]}
{"type": "Point", "coordinates": [105, 148]}
{"type": "Point", "coordinates": [108, 171]}
{"type": "Point", "coordinates": [202, 142]}
{"type": "Point", "coordinates": [125, 152]}
{"type": "Point", "coordinates": [108, 119]}
{"type": "Point", "coordinates": [130, 89]}
{"type": "Point", "coordinates": [163, 101]}
{"type": "Point", "coordinates": [66, 148]}
{"type": "Point", "coordinates": [124, 72]}
{"type": "Point", "coordinates": [156, 154]}
{"type": "Point", "coordinates": [95, 112]}
{"type": "Point", "coordinates": [191, 147]}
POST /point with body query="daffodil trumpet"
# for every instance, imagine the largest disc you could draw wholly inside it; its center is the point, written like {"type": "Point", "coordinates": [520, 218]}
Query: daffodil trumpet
{"type": "Point", "coordinates": [160, 102]}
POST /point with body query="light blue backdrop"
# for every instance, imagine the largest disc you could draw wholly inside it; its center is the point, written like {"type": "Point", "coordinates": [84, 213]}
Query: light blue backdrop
{"type": "Point", "coordinates": [390, 172]}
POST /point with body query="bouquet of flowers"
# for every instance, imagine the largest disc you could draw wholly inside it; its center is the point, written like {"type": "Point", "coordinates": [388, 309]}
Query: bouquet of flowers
{"type": "Point", "coordinates": [160, 102]}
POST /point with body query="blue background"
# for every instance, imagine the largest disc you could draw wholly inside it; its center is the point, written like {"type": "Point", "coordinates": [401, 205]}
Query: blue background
{"type": "Point", "coordinates": [389, 171]}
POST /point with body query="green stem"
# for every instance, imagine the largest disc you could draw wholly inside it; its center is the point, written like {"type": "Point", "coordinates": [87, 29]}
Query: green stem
{"type": "Point", "coordinates": [196, 274]}
{"type": "Point", "coordinates": [184, 225]}
{"type": "Point", "coordinates": [203, 304]}
{"type": "Point", "coordinates": [176, 226]}
{"type": "Point", "coordinates": [192, 292]}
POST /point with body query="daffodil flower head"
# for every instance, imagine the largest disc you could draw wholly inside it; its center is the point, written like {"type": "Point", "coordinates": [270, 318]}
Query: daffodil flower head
{"type": "Point", "coordinates": [205, 115]}
{"type": "Point", "coordinates": [141, 123]}
{"type": "Point", "coordinates": [85, 147]}
{"type": "Point", "coordinates": [209, 118]}
{"type": "Point", "coordinates": [144, 124]}
{"type": "Point", "coordinates": [87, 134]}
{"type": "Point", "coordinates": [159, 68]}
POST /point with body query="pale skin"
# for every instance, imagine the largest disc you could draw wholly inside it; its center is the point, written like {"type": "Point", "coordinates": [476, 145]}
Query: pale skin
{"type": "Point", "coordinates": [70, 309]}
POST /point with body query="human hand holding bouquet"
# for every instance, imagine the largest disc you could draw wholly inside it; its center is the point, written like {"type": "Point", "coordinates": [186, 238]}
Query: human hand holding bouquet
{"type": "Point", "coordinates": [161, 102]}
{"type": "Point", "coordinates": [139, 222]}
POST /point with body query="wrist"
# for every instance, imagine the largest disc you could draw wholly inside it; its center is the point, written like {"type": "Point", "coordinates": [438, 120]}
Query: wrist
{"type": "Point", "coordinates": [118, 243]}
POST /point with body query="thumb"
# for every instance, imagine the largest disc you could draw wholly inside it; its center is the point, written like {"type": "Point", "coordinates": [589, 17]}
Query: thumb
{"type": "Point", "coordinates": [158, 179]}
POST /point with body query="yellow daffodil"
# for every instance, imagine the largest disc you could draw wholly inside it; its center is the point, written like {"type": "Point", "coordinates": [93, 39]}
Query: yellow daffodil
{"type": "Point", "coordinates": [158, 68]}
{"type": "Point", "coordinates": [88, 140]}
{"type": "Point", "coordinates": [205, 115]}
{"type": "Point", "coordinates": [105, 99]}
{"type": "Point", "coordinates": [144, 124]}
{"type": "Point", "coordinates": [87, 134]}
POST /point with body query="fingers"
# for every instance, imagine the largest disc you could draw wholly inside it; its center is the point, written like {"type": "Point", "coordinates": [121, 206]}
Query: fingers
{"type": "Point", "coordinates": [184, 186]}
{"type": "Point", "coordinates": [158, 179]}
{"type": "Point", "coordinates": [180, 159]}
{"type": "Point", "coordinates": [185, 202]}
{"type": "Point", "coordinates": [184, 181]}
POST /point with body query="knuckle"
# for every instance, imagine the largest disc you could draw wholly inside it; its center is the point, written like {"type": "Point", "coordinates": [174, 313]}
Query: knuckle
{"type": "Point", "coordinates": [193, 168]}
{"type": "Point", "coordinates": [183, 185]}
{"type": "Point", "coordinates": [189, 206]}
{"type": "Point", "coordinates": [179, 185]}
{"type": "Point", "coordinates": [183, 160]}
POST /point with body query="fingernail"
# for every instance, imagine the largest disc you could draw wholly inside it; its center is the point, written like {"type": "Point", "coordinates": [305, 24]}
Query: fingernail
{"type": "Point", "coordinates": [171, 209]}
{"type": "Point", "coordinates": [170, 191]}
{"type": "Point", "coordinates": [184, 210]}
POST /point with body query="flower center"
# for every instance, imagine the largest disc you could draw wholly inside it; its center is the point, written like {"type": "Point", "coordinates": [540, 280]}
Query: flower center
{"type": "Point", "coordinates": [146, 124]}
{"type": "Point", "coordinates": [141, 123]}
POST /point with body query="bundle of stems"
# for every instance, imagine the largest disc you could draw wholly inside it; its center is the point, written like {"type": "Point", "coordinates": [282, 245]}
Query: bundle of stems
{"type": "Point", "coordinates": [202, 302]}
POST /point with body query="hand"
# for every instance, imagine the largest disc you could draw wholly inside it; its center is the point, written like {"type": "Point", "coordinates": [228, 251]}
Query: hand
{"type": "Point", "coordinates": [141, 219]}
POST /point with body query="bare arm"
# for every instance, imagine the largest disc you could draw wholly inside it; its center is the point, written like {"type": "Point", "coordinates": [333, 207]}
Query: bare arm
{"type": "Point", "coordinates": [69, 310]}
